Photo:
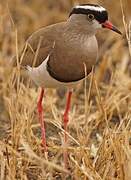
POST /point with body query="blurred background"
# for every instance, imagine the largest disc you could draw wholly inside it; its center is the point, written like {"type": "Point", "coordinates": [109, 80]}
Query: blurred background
{"type": "Point", "coordinates": [30, 15]}
{"type": "Point", "coordinates": [100, 119]}
{"type": "Point", "coordinates": [27, 16]}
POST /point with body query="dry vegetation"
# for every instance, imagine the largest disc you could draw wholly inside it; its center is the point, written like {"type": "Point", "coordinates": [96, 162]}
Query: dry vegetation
{"type": "Point", "coordinates": [100, 119]}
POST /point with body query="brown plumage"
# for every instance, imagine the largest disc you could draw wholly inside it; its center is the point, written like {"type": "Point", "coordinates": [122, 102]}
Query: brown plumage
{"type": "Point", "coordinates": [69, 45]}
{"type": "Point", "coordinates": [59, 54]}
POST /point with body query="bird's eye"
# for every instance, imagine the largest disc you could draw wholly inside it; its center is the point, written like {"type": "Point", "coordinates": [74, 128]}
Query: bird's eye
{"type": "Point", "coordinates": [90, 17]}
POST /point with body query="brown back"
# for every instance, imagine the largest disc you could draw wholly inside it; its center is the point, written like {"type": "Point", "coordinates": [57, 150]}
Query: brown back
{"type": "Point", "coordinates": [69, 51]}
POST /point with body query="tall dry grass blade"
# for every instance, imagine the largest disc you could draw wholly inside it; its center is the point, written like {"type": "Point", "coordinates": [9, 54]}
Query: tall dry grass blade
{"type": "Point", "coordinates": [127, 27]}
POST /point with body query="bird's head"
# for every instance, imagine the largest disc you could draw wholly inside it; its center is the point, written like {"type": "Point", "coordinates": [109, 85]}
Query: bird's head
{"type": "Point", "coordinates": [94, 16]}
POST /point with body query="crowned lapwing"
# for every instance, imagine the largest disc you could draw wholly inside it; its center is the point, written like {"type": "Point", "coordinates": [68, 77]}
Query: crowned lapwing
{"type": "Point", "coordinates": [61, 51]}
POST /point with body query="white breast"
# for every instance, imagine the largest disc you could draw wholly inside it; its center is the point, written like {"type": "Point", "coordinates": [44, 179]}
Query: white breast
{"type": "Point", "coordinates": [43, 79]}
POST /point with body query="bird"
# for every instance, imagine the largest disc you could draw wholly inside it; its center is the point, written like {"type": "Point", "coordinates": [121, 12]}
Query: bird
{"type": "Point", "coordinates": [55, 56]}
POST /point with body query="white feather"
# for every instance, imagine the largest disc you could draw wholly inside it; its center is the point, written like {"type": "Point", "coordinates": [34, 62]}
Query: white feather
{"type": "Point", "coordinates": [43, 79]}
{"type": "Point", "coordinates": [94, 8]}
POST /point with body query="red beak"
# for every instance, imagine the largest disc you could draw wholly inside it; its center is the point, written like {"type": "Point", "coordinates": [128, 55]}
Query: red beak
{"type": "Point", "coordinates": [109, 25]}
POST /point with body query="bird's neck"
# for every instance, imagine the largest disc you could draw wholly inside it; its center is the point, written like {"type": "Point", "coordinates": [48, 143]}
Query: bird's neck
{"type": "Point", "coordinates": [75, 34]}
{"type": "Point", "coordinates": [77, 27]}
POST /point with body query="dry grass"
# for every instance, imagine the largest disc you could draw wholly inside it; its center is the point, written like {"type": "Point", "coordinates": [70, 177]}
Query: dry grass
{"type": "Point", "coordinates": [100, 119]}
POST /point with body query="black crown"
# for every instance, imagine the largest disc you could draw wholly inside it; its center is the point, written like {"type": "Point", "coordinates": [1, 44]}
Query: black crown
{"type": "Point", "coordinates": [100, 16]}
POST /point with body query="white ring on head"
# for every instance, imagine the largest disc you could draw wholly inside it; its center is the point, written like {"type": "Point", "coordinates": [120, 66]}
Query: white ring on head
{"type": "Point", "coordinates": [94, 8]}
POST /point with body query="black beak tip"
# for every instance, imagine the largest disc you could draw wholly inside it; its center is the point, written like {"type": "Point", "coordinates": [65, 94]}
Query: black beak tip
{"type": "Point", "coordinates": [116, 30]}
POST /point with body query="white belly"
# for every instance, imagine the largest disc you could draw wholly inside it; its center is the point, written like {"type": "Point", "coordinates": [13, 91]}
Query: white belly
{"type": "Point", "coordinates": [43, 79]}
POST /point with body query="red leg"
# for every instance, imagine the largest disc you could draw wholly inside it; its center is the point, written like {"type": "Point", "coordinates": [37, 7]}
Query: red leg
{"type": "Point", "coordinates": [65, 121]}
{"type": "Point", "coordinates": [41, 119]}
